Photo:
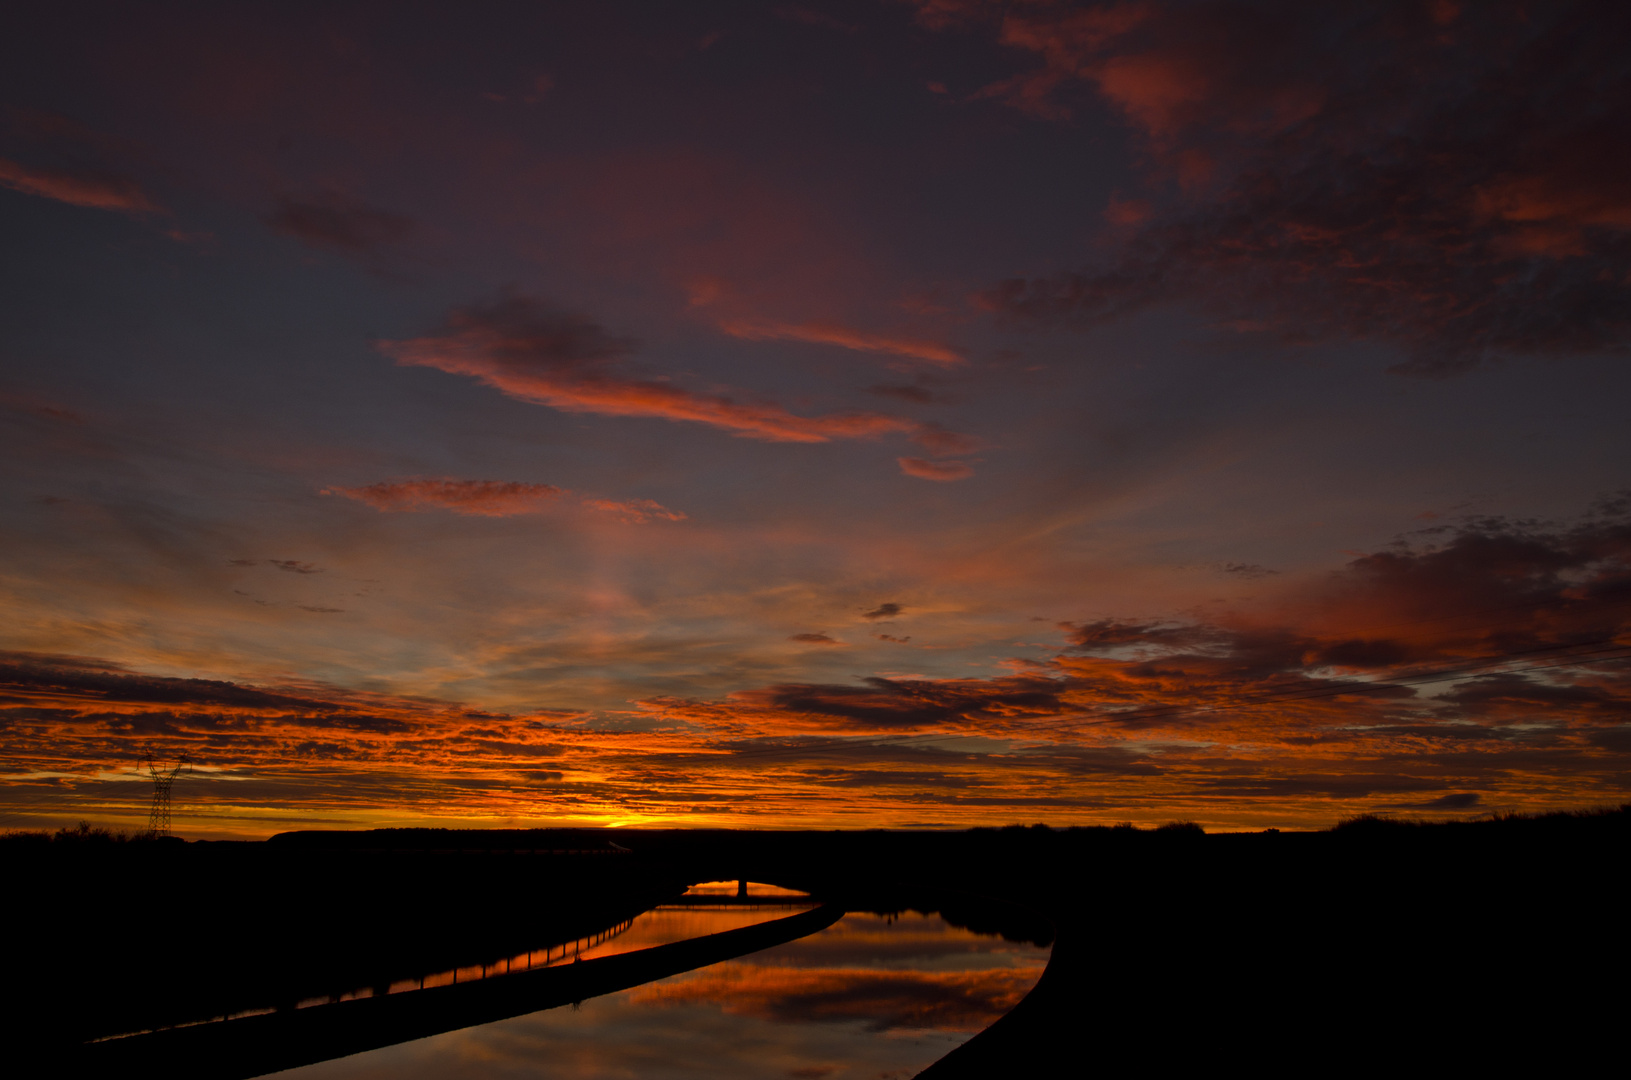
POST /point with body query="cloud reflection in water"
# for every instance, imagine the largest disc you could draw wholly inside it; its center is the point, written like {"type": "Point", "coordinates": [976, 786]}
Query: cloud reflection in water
{"type": "Point", "coordinates": [871, 996]}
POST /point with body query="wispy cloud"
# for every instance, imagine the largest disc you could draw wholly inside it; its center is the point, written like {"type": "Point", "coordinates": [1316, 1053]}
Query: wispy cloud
{"type": "Point", "coordinates": [635, 511]}
{"type": "Point", "coordinates": [294, 566]}
{"type": "Point", "coordinates": [935, 470]}
{"type": "Point", "coordinates": [492, 498]}
{"type": "Point", "coordinates": [537, 354]}
{"type": "Point", "coordinates": [487, 498]}
{"type": "Point", "coordinates": [95, 189]}
{"type": "Point", "coordinates": [820, 333]}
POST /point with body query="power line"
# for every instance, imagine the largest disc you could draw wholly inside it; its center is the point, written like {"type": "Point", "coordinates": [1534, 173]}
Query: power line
{"type": "Point", "coordinates": [158, 818]}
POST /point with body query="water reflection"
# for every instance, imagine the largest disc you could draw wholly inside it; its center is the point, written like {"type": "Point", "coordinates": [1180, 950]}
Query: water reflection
{"type": "Point", "coordinates": [746, 890]}
{"type": "Point", "coordinates": [738, 904]}
{"type": "Point", "coordinates": [871, 996]}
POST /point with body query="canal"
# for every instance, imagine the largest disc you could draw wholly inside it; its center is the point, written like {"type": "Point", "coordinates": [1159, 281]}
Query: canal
{"type": "Point", "coordinates": [873, 995]}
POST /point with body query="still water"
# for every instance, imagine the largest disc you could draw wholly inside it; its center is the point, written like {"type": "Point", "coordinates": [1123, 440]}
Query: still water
{"type": "Point", "coordinates": [871, 996]}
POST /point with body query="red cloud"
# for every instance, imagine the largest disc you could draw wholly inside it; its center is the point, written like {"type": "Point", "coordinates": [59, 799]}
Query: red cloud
{"type": "Point", "coordinates": [1156, 91]}
{"type": "Point", "coordinates": [830, 334]}
{"type": "Point", "coordinates": [102, 191]}
{"type": "Point", "coordinates": [1314, 173]}
{"type": "Point", "coordinates": [488, 498]}
{"type": "Point", "coordinates": [567, 362]}
{"type": "Point", "coordinates": [935, 470]}
{"type": "Point", "coordinates": [635, 511]}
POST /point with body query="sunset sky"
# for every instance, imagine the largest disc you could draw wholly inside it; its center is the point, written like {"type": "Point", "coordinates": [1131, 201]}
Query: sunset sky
{"type": "Point", "coordinates": [844, 413]}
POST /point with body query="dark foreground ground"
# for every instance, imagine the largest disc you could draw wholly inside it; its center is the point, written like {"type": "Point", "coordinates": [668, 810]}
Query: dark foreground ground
{"type": "Point", "coordinates": [1487, 945]}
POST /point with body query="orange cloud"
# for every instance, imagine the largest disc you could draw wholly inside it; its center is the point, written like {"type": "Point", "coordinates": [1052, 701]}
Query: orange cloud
{"type": "Point", "coordinates": [487, 498]}
{"type": "Point", "coordinates": [570, 363]}
{"type": "Point", "coordinates": [845, 338]}
{"type": "Point", "coordinates": [492, 498]}
{"type": "Point", "coordinates": [635, 511]}
{"type": "Point", "coordinates": [101, 191]}
{"type": "Point", "coordinates": [935, 470]}
{"type": "Point", "coordinates": [1305, 715]}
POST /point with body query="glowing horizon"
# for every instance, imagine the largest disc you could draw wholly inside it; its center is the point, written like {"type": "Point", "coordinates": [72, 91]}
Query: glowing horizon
{"type": "Point", "coordinates": [912, 414]}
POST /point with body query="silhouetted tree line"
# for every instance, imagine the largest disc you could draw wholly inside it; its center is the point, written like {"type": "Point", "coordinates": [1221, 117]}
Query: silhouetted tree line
{"type": "Point", "coordinates": [82, 833]}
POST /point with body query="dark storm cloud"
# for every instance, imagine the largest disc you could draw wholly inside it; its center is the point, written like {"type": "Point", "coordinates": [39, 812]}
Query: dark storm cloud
{"type": "Point", "coordinates": [83, 683]}
{"type": "Point", "coordinates": [892, 703]}
{"type": "Point", "coordinates": [1249, 571]}
{"type": "Point", "coordinates": [199, 720]}
{"type": "Point", "coordinates": [815, 639]}
{"type": "Point", "coordinates": [338, 223]}
{"type": "Point", "coordinates": [57, 660]}
{"type": "Point", "coordinates": [1454, 181]}
{"type": "Point", "coordinates": [523, 750]}
{"type": "Point", "coordinates": [1461, 800]}
{"type": "Point", "coordinates": [882, 778]}
{"type": "Point", "coordinates": [1492, 587]}
{"type": "Point", "coordinates": [1507, 695]}
{"type": "Point", "coordinates": [1346, 786]}
{"type": "Point", "coordinates": [1101, 761]}
{"type": "Point", "coordinates": [883, 611]}
{"type": "Point", "coordinates": [1616, 739]}
{"type": "Point", "coordinates": [294, 566]}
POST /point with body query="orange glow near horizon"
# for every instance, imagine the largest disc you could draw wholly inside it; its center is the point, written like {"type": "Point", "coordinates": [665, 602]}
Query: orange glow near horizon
{"type": "Point", "coordinates": [957, 414]}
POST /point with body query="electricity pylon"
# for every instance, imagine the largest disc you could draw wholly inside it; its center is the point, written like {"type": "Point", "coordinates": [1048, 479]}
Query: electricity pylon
{"type": "Point", "coordinates": [158, 819]}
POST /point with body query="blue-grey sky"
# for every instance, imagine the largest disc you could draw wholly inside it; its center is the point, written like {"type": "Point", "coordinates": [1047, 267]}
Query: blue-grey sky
{"type": "Point", "coordinates": [647, 412]}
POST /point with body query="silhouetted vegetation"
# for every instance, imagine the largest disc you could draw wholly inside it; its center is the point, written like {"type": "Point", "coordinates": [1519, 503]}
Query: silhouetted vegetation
{"type": "Point", "coordinates": [1322, 934]}
{"type": "Point", "coordinates": [264, 925]}
{"type": "Point", "coordinates": [82, 833]}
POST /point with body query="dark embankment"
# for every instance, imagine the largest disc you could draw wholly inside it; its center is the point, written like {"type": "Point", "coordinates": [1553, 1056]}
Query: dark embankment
{"type": "Point", "coordinates": [1376, 945]}
{"type": "Point", "coordinates": [255, 1045]}
{"type": "Point", "coordinates": [109, 938]}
